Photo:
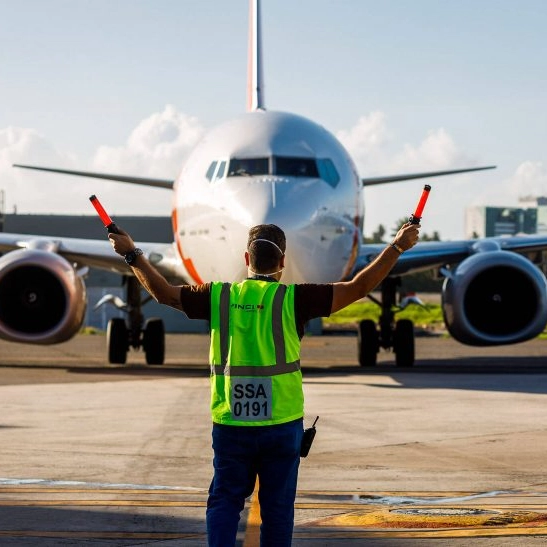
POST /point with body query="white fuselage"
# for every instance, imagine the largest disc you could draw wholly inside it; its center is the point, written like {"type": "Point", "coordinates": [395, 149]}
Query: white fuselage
{"type": "Point", "coordinates": [269, 168]}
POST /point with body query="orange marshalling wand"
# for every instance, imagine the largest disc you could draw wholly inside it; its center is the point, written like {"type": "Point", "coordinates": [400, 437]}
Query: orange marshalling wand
{"type": "Point", "coordinates": [417, 215]}
{"type": "Point", "coordinates": [107, 221]}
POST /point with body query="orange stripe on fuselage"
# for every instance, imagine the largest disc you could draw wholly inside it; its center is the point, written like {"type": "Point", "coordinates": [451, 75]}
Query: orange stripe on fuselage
{"type": "Point", "coordinates": [188, 264]}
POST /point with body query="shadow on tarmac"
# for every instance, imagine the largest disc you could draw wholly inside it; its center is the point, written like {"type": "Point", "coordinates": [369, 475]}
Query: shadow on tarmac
{"type": "Point", "coordinates": [503, 374]}
{"type": "Point", "coordinates": [55, 527]}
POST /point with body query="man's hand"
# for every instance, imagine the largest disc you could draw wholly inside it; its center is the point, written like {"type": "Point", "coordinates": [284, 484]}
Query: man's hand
{"type": "Point", "coordinates": [407, 236]}
{"type": "Point", "coordinates": [152, 281]}
{"type": "Point", "coordinates": [121, 242]}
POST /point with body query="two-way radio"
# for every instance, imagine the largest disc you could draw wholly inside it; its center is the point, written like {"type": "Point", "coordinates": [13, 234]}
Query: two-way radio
{"type": "Point", "coordinates": [307, 439]}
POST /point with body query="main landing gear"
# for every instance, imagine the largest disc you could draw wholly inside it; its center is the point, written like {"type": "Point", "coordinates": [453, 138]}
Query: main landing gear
{"type": "Point", "coordinates": [398, 335]}
{"type": "Point", "coordinates": [121, 334]}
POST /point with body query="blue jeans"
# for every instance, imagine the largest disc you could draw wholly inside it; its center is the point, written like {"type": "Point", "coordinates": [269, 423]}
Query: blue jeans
{"type": "Point", "coordinates": [240, 454]}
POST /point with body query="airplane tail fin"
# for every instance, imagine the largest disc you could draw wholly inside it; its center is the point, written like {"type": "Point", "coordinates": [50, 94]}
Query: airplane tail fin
{"type": "Point", "coordinates": [255, 79]}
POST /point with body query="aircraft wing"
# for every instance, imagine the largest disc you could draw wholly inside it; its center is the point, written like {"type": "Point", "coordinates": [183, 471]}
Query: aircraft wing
{"type": "Point", "coordinates": [168, 184]}
{"type": "Point", "coordinates": [435, 254]}
{"type": "Point", "coordinates": [98, 253]}
{"type": "Point", "coordinates": [144, 181]}
{"type": "Point", "coordinates": [370, 181]}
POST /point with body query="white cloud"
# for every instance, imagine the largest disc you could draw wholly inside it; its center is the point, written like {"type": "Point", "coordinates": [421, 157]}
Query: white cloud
{"type": "Point", "coordinates": [436, 151]}
{"type": "Point", "coordinates": [370, 144]}
{"type": "Point", "coordinates": [530, 179]}
{"type": "Point", "coordinates": [156, 147]}
{"type": "Point", "coordinates": [17, 144]}
{"type": "Point", "coordinates": [26, 190]}
{"type": "Point", "coordinates": [366, 141]}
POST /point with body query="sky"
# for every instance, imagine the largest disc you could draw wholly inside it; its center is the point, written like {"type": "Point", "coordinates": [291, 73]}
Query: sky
{"type": "Point", "coordinates": [130, 86]}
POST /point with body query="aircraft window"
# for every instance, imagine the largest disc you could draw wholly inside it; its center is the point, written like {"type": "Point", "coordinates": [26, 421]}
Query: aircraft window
{"type": "Point", "coordinates": [221, 170]}
{"type": "Point", "coordinates": [216, 171]}
{"type": "Point", "coordinates": [246, 167]}
{"type": "Point", "coordinates": [328, 172]}
{"type": "Point", "coordinates": [211, 170]}
{"type": "Point", "coordinates": [295, 167]}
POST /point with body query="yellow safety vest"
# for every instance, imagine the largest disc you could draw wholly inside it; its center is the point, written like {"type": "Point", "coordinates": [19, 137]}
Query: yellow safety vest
{"type": "Point", "coordinates": [254, 354]}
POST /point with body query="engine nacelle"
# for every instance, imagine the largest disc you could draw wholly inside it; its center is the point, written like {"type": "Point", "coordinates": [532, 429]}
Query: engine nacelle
{"type": "Point", "coordinates": [495, 297]}
{"type": "Point", "coordinates": [42, 298]}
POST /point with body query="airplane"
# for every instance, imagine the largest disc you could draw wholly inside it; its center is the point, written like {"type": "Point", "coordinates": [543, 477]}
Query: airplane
{"type": "Point", "coordinates": [280, 168]}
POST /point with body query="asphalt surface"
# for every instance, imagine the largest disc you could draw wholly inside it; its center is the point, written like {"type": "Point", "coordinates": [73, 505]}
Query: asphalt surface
{"type": "Point", "coordinates": [448, 453]}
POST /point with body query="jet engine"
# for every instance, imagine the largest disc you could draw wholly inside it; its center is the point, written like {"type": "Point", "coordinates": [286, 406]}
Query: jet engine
{"type": "Point", "coordinates": [495, 297]}
{"type": "Point", "coordinates": [42, 297]}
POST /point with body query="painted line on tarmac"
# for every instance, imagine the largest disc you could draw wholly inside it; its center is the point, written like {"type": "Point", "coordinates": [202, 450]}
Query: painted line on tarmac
{"type": "Point", "coordinates": [406, 498]}
{"type": "Point", "coordinates": [39, 490]}
{"type": "Point", "coordinates": [252, 528]}
{"type": "Point", "coordinates": [298, 534]}
{"type": "Point", "coordinates": [359, 515]}
{"type": "Point", "coordinates": [100, 503]}
{"type": "Point", "coordinates": [419, 534]}
{"type": "Point", "coordinates": [58, 483]}
{"type": "Point", "coordinates": [67, 534]}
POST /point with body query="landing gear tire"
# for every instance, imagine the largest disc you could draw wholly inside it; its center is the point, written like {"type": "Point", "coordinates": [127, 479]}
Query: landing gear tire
{"type": "Point", "coordinates": [403, 343]}
{"type": "Point", "coordinates": [367, 343]}
{"type": "Point", "coordinates": [117, 341]}
{"type": "Point", "coordinates": [153, 341]}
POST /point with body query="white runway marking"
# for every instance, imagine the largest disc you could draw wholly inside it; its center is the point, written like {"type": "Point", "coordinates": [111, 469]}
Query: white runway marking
{"type": "Point", "coordinates": [401, 500]}
{"type": "Point", "coordinates": [55, 483]}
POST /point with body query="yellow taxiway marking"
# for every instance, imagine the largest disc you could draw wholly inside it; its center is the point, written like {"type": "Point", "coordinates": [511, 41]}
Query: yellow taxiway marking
{"type": "Point", "coordinates": [252, 531]}
{"type": "Point", "coordinates": [437, 517]}
{"type": "Point", "coordinates": [424, 534]}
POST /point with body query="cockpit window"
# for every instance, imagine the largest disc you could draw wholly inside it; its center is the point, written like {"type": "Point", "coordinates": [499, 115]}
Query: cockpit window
{"type": "Point", "coordinates": [221, 170]}
{"type": "Point", "coordinates": [246, 167]}
{"type": "Point", "coordinates": [328, 172]}
{"type": "Point", "coordinates": [216, 170]}
{"type": "Point", "coordinates": [295, 167]}
{"type": "Point", "coordinates": [282, 166]}
{"type": "Point", "coordinates": [211, 170]}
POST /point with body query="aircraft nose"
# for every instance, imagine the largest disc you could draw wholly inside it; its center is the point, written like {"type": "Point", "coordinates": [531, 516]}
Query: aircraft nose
{"type": "Point", "coordinates": [321, 242]}
{"type": "Point", "coordinates": [265, 200]}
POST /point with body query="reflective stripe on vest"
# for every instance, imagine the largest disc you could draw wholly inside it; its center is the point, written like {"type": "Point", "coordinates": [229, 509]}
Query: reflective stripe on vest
{"type": "Point", "coordinates": [281, 366]}
{"type": "Point", "coordinates": [255, 354]}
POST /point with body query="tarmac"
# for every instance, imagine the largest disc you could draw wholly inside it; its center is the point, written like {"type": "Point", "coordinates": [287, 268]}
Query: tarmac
{"type": "Point", "coordinates": [448, 453]}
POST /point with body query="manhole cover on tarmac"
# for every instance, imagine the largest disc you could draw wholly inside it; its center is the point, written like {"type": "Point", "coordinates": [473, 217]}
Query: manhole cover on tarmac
{"type": "Point", "coordinates": [435, 517]}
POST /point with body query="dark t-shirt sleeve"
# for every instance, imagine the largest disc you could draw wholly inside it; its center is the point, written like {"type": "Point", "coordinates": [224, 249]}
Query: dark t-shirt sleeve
{"type": "Point", "coordinates": [310, 301]}
{"type": "Point", "coordinates": [196, 301]}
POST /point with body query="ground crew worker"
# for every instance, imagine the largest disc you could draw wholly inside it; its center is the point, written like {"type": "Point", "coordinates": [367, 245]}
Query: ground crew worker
{"type": "Point", "coordinates": [257, 402]}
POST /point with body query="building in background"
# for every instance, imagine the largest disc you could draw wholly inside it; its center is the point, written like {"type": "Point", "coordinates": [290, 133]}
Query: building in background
{"type": "Point", "coordinates": [486, 221]}
{"type": "Point", "coordinates": [542, 215]}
